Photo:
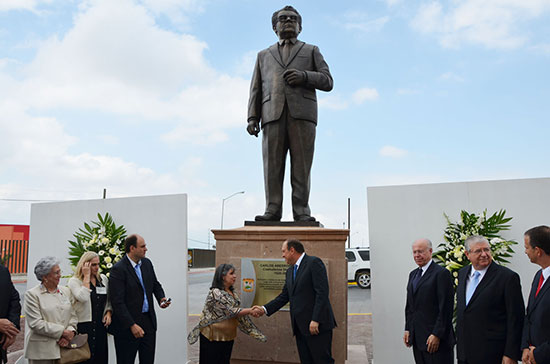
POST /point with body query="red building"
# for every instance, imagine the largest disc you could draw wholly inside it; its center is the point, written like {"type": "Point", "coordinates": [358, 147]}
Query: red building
{"type": "Point", "coordinates": [14, 245]}
{"type": "Point", "coordinates": [14, 232]}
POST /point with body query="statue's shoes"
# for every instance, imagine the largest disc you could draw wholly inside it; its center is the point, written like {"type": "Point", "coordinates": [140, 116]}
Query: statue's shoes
{"type": "Point", "coordinates": [304, 218]}
{"type": "Point", "coordinates": [268, 216]}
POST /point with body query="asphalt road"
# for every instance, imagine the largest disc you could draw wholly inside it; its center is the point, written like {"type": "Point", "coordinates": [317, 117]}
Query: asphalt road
{"type": "Point", "coordinates": [359, 300]}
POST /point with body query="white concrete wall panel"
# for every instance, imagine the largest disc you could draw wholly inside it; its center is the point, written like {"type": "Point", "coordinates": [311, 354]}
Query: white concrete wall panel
{"type": "Point", "coordinates": [161, 220]}
{"type": "Point", "coordinates": [400, 214]}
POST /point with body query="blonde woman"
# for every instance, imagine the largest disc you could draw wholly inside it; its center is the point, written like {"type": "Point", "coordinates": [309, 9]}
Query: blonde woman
{"type": "Point", "coordinates": [91, 304]}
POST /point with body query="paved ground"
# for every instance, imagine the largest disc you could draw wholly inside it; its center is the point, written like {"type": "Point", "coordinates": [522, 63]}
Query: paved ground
{"type": "Point", "coordinates": [359, 335]}
{"type": "Point", "coordinates": [359, 319]}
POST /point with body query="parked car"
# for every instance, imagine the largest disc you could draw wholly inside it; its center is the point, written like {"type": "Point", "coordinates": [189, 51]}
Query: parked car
{"type": "Point", "coordinates": [359, 266]}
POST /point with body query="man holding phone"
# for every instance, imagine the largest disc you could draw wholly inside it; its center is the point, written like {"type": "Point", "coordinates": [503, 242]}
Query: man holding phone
{"type": "Point", "coordinates": [132, 284]}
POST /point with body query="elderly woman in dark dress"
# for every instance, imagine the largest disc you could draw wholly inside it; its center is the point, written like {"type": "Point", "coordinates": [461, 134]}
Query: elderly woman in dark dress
{"type": "Point", "coordinates": [91, 304]}
{"type": "Point", "coordinates": [220, 318]}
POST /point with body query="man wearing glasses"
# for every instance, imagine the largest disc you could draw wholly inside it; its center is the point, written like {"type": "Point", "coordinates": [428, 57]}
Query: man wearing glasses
{"type": "Point", "coordinates": [283, 99]}
{"type": "Point", "coordinates": [490, 308]}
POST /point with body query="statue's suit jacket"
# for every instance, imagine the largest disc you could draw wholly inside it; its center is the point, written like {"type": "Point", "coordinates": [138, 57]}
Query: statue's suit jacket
{"type": "Point", "coordinates": [536, 329]}
{"type": "Point", "coordinates": [308, 296]}
{"type": "Point", "coordinates": [269, 91]}
{"type": "Point", "coordinates": [490, 326]}
{"type": "Point", "coordinates": [429, 309]}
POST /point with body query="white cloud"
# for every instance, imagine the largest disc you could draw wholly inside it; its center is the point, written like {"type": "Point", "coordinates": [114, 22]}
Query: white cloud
{"type": "Point", "coordinates": [333, 102]}
{"type": "Point", "coordinates": [490, 23]}
{"type": "Point", "coordinates": [340, 102]}
{"type": "Point", "coordinates": [393, 2]}
{"type": "Point", "coordinates": [38, 148]}
{"type": "Point", "coordinates": [392, 152]}
{"type": "Point", "coordinates": [176, 10]}
{"type": "Point", "coordinates": [365, 94]}
{"type": "Point", "coordinates": [114, 61]}
{"type": "Point", "coordinates": [117, 60]}
{"type": "Point", "coordinates": [246, 64]}
{"type": "Point", "coordinates": [367, 26]}
{"type": "Point", "coordinates": [109, 139]}
{"type": "Point", "coordinates": [450, 76]}
{"type": "Point", "coordinates": [29, 5]}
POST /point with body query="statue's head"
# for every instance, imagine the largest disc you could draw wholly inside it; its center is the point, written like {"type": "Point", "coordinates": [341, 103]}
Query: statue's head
{"type": "Point", "coordinates": [286, 22]}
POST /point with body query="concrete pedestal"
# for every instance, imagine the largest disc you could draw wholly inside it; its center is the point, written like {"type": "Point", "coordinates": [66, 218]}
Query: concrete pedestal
{"type": "Point", "coordinates": [265, 242]}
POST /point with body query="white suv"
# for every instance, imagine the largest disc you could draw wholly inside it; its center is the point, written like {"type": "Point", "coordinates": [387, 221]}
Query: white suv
{"type": "Point", "coordinates": [359, 266]}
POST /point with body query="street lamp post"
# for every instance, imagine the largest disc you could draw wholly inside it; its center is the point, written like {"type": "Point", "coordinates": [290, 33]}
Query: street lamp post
{"type": "Point", "coordinates": [223, 204]}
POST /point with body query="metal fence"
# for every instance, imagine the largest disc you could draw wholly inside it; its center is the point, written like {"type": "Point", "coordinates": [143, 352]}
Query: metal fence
{"type": "Point", "coordinates": [15, 253]}
{"type": "Point", "coordinates": [201, 258]}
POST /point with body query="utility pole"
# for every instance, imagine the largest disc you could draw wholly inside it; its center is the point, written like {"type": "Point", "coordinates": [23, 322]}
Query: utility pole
{"type": "Point", "coordinates": [349, 222]}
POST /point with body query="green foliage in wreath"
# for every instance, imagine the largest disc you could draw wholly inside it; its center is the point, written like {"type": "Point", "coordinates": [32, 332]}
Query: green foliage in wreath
{"type": "Point", "coordinates": [102, 237]}
{"type": "Point", "coordinates": [450, 254]}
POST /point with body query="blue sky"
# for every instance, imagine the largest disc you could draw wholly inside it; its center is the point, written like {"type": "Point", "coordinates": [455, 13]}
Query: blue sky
{"type": "Point", "coordinates": [149, 97]}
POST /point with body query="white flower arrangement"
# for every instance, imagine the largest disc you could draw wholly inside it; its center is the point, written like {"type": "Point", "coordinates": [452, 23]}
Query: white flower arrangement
{"type": "Point", "coordinates": [102, 237]}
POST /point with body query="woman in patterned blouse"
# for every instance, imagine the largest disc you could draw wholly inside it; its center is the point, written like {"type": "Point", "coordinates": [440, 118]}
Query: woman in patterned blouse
{"type": "Point", "coordinates": [220, 318]}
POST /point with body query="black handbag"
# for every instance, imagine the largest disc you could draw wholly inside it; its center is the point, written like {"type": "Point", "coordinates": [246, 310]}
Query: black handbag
{"type": "Point", "coordinates": [77, 351]}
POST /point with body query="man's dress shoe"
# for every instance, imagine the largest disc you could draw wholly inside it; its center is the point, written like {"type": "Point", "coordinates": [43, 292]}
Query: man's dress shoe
{"type": "Point", "coordinates": [304, 218]}
{"type": "Point", "coordinates": [268, 217]}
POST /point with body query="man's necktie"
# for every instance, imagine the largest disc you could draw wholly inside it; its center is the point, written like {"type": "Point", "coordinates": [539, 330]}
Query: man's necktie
{"type": "Point", "coordinates": [145, 307]}
{"type": "Point", "coordinates": [416, 278]}
{"type": "Point", "coordinates": [472, 287]}
{"type": "Point", "coordinates": [286, 50]}
{"type": "Point", "coordinates": [295, 270]}
{"type": "Point", "coordinates": [541, 281]}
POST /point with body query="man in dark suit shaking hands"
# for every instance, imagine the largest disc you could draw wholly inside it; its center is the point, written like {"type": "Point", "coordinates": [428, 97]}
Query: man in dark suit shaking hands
{"type": "Point", "coordinates": [429, 309]}
{"type": "Point", "coordinates": [132, 284]}
{"type": "Point", "coordinates": [490, 308]}
{"type": "Point", "coordinates": [536, 329]}
{"type": "Point", "coordinates": [283, 98]}
{"type": "Point", "coordinates": [312, 319]}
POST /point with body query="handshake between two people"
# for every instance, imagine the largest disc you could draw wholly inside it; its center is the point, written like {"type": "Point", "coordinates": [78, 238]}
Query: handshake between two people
{"type": "Point", "coordinates": [257, 311]}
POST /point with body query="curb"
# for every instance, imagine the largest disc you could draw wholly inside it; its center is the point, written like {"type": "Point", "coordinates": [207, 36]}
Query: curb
{"type": "Point", "coordinates": [200, 270]}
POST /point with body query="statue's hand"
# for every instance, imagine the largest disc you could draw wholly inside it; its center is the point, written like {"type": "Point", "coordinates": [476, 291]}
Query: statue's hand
{"type": "Point", "coordinates": [253, 127]}
{"type": "Point", "coordinates": [294, 77]}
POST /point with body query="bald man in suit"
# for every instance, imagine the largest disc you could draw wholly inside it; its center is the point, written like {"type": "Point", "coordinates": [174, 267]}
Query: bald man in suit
{"type": "Point", "coordinates": [429, 309]}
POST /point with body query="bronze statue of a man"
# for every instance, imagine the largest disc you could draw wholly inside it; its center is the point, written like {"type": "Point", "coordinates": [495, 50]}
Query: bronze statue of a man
{"type": "Point", "coordinates": [283, 99]}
